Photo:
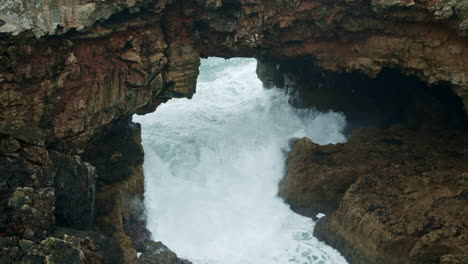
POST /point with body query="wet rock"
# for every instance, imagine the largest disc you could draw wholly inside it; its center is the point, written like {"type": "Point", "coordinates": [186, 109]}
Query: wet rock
{"type": "Point", "coordinates": [26, 199]}
{"type": "Point", "coordinates": [389, 98]}
{"type": "Point", "coordinates": [405, 199]}
{"type": "Point", "coordinates": [28, 213]}
{"type": "Point", "coordinates": [117, 155]}
{"type": "Point", "coordinates": [135, 224]}
{"type": "Point", "coordinates": [314, 182]}
{"type": "Point", "coordinates": [75, 191]}
{"type": "Point", "coordinates": [454, 259]}
{"type": "Point", "coordinates": [38, 155]}
{"type": "Point", "coordinates": [116, 152]}
{"type": "Point", "coordinates": [182, 70]}
{"type": "Point", "coordinates": [54, 250]}
{"type": "Point", "coordinates": [268, 71]}
{"type": "Point", "coordinates": [97, 247]}
{"type": "Point", "coordinates": [43, 18]}
{"type": "Point", "coordinates": [61, 252]}
{"type": "Point", "coordinates": [157, 253]}
{"type": "Point", "coordinates": [28, 133]}
{"type": "Point", "coordinates": [21, 198]}
{"type": "Point", "coordinates": [8, 145]}
{"type": "Point", "coordinates": [212, 4]}
{"type": "Point", "coordinates": [103, 61]}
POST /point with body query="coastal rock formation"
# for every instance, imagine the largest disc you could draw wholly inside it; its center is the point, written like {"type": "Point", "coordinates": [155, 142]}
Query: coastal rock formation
{"type": "Point", "coordinates": [417, 38]}
{"type": "Point", "coordinates": [311, 185]}
{"type": "Point", "coordinates": [157, 253]}
{"type": "Point", "coordinates": [72, 73]}
{"type": "Point", "coordinates": [401, 194]}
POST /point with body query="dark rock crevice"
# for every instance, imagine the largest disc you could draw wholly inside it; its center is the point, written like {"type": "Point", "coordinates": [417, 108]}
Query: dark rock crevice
{"type": "Point", "coordinates": [391, 195]}
{"type": "Point", "coordinates": [70, 82]}
{"type": "Point", "coordinates": [396, 191]}
{"type": "Point", "coordinates": [389, 98]}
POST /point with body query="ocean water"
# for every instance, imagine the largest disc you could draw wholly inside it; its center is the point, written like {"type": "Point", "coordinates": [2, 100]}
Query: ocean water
{"type": "Point", "coordinates": [213, 165]}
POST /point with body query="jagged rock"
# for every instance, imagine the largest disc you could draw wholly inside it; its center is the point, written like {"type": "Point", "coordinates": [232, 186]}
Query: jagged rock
{"type": "Point", "coordinates": [182, 70]}
{"type": "Point", "coordinates": [28, 133]}
{"type": "Point", "coordinates": [314, 181]}
{"type": "Point", "coordinates": [67, 249]}
{"type": "Point", "coordinates": [75, 191]}
{"type": "Point", "coordinates": [406, 199]}
{"type": "Point", "coordinates": [97, 247]}
{"type": "Point", "coordinates": [388, 99]}
{"type": "Point", "coordinates": [117, 155]}
{"type": "Point", "coordinates": [37, 155]}
{"type": "Point", "coordinates": [8, 145]}
{"type": "Point", "coordinates": [21, 198]}
{"type": "Point", "coordinates": [157, 253]}
{"type": "Point", "coordinates": [214, 4]}
{"type": "Point", "coordinates": [26, 198]}
{"type": "Point", "coordinates": [71, 70]}
{"type": "Point", "coordinates": [454, 259]}
{"type": "Point", "coordinates": [58, 251]}
{"type": "Point", "coordinates": [58, 16]}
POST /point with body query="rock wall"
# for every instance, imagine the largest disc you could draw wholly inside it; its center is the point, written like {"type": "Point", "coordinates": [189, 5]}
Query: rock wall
{"type": "Point", "coordinates": [71, 72]}
{"type": "Point", "coordinates": [426, 39]}
{"type": "Point", "coordinates": [387, 99]}
{"type": "Point", "coordinates": [391, 195]}
{"type": "Point", "coordinates": [383, 190]}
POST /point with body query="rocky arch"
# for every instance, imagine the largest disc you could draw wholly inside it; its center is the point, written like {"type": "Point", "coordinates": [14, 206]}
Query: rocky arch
{"type": "Point", "coordinates": [73, 72]}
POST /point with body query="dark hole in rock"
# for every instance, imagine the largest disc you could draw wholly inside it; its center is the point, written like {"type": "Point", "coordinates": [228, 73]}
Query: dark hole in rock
{"type": "Point", "coordinates": [388, 99]}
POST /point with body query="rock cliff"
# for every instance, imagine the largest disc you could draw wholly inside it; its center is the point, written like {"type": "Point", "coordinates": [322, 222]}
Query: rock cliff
{"type": "Point", "coordinates": [73, 72]}
{"type": "Point", "coordinates": [391, 195]}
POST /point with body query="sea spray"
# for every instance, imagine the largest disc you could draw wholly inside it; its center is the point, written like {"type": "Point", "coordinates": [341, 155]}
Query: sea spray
{"type": "Point", "coordinates": [212, 167]}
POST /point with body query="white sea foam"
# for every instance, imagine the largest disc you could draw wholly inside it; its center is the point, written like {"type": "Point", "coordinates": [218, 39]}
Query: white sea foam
{"type": "Point", "coordinates": [213, 164]}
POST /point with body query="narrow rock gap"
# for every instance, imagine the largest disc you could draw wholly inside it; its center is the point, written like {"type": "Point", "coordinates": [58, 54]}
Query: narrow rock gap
{"type": "Point", "coordinates": [213, 164]}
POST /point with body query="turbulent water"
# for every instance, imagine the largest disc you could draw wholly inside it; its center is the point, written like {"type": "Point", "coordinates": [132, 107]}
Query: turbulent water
{"type": "Point", "coordinates": [213, 164]}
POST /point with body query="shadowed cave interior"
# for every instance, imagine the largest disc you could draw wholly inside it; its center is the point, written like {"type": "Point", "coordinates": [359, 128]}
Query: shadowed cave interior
{"type": "Point", "coordinates": [389, 98]}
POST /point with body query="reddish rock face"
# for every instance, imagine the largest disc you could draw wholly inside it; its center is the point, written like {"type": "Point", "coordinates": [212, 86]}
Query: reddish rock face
{"type": "Point", "coordinates": [74, 83]}
{"type": "Point", "coordinates": [70, 71]}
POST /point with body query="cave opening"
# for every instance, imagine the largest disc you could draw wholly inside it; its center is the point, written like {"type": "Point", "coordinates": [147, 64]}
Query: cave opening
{"type": "Point", "coordinates": [387, 99]}
{"type": "Point", "coordinates": [71, 160]}
{"type": "Point", "coordinates": [213, 164]}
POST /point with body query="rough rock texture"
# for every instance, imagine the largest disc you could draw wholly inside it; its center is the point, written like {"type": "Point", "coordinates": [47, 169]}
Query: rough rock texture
{"type": "Point", "coordinates": [59, 16]}
{"type": "Point", "coordinates": [66, 100]}
{"type": "Point", "coordinates": [73, 71]}
{"type": "Point", "coordinates": [75, 187]}
{"type": "Point", "coordinates": [417, 37]}
{"type": "Point", "coordinates": [51, 250]}
{"type": "Point", "coordinates": [387, 99]}
{"type": "Point", "coordinates": [157, 253]}
{"type": "Point", "coordinates": [401, 194]}
{"type": "Point", "coordinates": [312, 184]}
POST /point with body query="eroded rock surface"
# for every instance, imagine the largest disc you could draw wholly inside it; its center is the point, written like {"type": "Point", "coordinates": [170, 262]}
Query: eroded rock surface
{"type": "Point", "coordinates": [72, 71]}
{"type": "Point", "coordinates": [401, 194]}
{"type": "Point", "coordinates": [157, 253]}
